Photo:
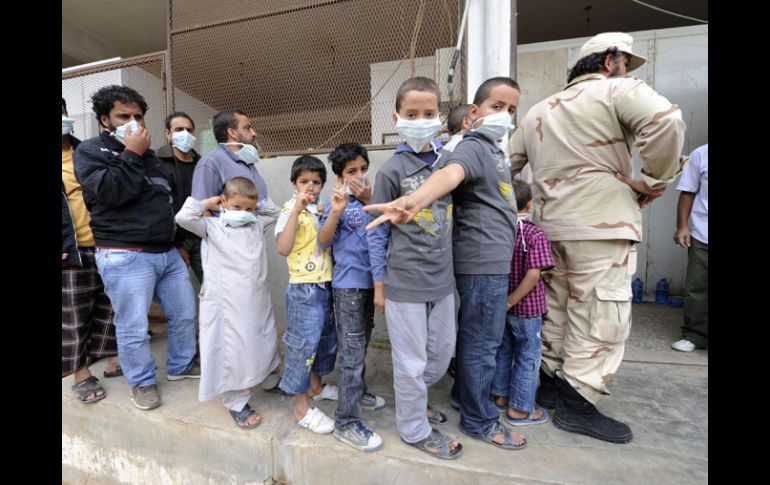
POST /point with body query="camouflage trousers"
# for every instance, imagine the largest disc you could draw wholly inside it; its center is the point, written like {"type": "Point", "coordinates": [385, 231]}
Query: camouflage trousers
{"type": "Point", "coordinates": [589, 312]}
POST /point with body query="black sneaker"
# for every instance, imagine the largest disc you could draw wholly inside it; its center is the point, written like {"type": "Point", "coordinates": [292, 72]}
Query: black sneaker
{"type": "Point", "coordinates": [194, 372]}
{"type": "Point", "coordinates": [547, 393]}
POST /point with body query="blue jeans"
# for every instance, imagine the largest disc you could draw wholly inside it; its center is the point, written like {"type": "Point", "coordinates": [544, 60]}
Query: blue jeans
{"type": "Point", "coordinates": [354, 314]}
{"type": "Point", "coordinates": [131, 279]}
{"type": "Point", "coordinates": [518, 362]}
{"type": "Point", "coordinates": [311, 341]}
{"type": "Point", "coordinates": [483, 302]}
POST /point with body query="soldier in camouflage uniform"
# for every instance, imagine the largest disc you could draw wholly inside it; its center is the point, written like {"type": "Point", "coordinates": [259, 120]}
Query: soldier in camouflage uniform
{"type": "Point", "coordinates": [578, 145]}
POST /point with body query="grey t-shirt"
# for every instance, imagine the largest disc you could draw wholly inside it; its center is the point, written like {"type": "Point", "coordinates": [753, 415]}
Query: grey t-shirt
{"type": "Point", "coordinates": [485, 208]}
{"type": "Point", "coordinates": [420, 251]}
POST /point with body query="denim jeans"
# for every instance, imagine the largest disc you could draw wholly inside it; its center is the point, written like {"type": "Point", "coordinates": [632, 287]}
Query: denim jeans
{"type": "Point", "coordinates": [131, 279]}
{"type": "Point", "coordinates": [518, 362]}
{"type": "Point", "coordinates": [354, 314]}
{"type": "Point", "coordinates": [311, 340]}
{"type": "Point", "coordinates": [483, 302]}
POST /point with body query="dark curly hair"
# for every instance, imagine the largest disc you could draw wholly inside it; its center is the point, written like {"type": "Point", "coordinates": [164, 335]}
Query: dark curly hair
{"type": "Point", "coordinates": [104, 99]}
{"type": "Point", "coordinates": [592, 63]}
{"type": "Point", "coordinates": [344, 153]}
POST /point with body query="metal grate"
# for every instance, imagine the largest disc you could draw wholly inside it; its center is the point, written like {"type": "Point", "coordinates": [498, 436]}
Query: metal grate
{"type": "Point", "coordinates": [145, 74]}
{"type": "Point", "coordinates": [305, 71]}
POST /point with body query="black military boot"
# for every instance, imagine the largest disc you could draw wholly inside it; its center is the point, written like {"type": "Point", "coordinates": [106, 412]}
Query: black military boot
{"type": "Point", "coordinates": [547, 393]}
{"type": "Point", "coordinates": [576, 415]}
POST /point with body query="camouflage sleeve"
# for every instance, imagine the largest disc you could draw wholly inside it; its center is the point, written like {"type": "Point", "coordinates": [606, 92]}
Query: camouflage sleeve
{"type": "Point", "coordinates": [517, 150]}
{"type": "Point", "coordinates": [658, 127]}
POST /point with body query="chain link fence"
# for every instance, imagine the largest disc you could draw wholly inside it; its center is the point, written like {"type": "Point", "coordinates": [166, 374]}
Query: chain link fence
{"type": "Point", "coordinates": [145, 74]}
{"type": "Point", "coordinates": [310, 74]}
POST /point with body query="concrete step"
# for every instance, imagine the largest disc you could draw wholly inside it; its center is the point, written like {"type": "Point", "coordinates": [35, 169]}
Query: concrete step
{"type": "Point", "coordinates": [188, 442]}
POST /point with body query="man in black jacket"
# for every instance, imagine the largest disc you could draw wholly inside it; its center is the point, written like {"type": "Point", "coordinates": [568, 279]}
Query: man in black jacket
{"type": "Point", "coordinates": [180, 158]}
{"type": "Point", "coordinates": [87, 331]}
{"type": "Point", "coordinates": [130, 196]}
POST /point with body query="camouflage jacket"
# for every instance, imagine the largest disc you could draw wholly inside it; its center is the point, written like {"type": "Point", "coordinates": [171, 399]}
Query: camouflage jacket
{"type": "Point", "coordinates": [578, 139]}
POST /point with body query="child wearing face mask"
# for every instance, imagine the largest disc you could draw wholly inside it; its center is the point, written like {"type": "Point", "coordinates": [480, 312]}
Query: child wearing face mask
{"type": "Point", "coordinates": [238, 344]}
{"type": "Point", "coordinates": [310, 338]}
{"type": "Point", "coordinates": [477, 173]}
{"type": "Point", "coordinates": [412, 271]}
{"type": "Point", "coordinates": [518, 357]}
{"type": "Point", "coordinates": [343, 229]}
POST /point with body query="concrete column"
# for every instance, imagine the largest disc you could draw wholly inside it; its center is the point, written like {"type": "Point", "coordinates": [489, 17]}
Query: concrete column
{"type": "Point", "coordinates": [489, 42]}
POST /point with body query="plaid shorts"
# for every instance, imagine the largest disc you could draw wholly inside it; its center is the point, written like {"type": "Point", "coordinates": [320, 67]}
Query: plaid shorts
{"type": "Point", "coordinates": [87, 329]}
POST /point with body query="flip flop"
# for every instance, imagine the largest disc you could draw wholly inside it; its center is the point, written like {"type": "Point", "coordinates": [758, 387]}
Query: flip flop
{"type": "Point", "coordinates": [88, 386]}
{"type": "Point", "coordinates": [530, 419]}
{"type": "Point", "coordinates": [508, 443]}
{"type": "Point", "coordinates": [440, 441]}
{"type": "Point", "coordinates": [116, 373]}
{"type": "Point", "coordinates": [240, 417]}
{"type": "Point", "coordinates": [436, 417]}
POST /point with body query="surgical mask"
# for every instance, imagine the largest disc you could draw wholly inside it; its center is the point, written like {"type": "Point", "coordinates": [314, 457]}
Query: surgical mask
{"type": "Point", "coordinates": [120, 131]}
{"type": "Point", "coordinates": [363, 181]}
{"type": "Point", "coordinates": [66, 125]}
{"type": "Point", "coordinates": [237, 218]}
{"type": "Point", "coordinates": [494, 126]}
{"type": "Point", "coordinates": [417, 133]}
{"type": "Point", "coordinates": [247, 153]}
{"type": "Point", "coordinates": [183, 141]}
{"type": "Point", "coordinates": [313, 208]}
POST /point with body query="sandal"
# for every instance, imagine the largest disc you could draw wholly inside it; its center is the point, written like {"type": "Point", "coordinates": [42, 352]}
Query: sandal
{"type": "Point", "coordinates": [438, 440]}
{"type": "Point", "coordinates": [240, 417]}
{"type": "Point", "coordinates": [116, 373]}
{"type": "Point", "coordinates": [88, 386]}
{"type": "Point", "coordinates": [436, 417]}
{"type": "Point", "coordinates": [508, 443]}
{"type": "Point", "coordinates": [530, 419]}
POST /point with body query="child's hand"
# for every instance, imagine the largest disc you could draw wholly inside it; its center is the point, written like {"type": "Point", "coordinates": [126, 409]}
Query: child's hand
{"type": "Point", "coordinates": [303, 199]}
{"type": "Point", "coordinates": [379, 297]}
{"type": "Point", "coordinates": [212, 203]}
{"type": "Point", "coordinates": [511, 302]}
{"type": "Point", "coordinates": [340, 196]}
{"type": "Point", "coordinates": [362, 191]}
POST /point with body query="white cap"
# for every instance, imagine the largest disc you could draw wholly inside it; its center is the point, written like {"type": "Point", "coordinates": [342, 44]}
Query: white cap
{"type": "Point", "coordinates": [607, 40]}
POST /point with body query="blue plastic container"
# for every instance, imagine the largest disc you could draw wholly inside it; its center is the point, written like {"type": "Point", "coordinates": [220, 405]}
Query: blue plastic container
{"type": "Point", "coordinates": [661, 292]}
{"type": "Point", "coordinates": [637, 290]}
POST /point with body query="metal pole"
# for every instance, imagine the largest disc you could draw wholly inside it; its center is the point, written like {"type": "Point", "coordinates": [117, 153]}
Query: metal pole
{"type": "Point", "coordinates": [514, 40]}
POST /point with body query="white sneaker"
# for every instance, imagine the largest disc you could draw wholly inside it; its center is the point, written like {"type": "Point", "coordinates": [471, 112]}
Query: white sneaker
{"type": "Point", "coordinates": [683, 345]}
{"type": "Point", "coordinates": [316, 421]}
{"type": "Point", "coordinates": [372, 401]}
{"type": "Point", "coordinates": [329, 392]}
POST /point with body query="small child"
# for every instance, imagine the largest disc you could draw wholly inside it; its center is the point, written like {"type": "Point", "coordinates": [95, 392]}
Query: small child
{"type": "Point", "coordinates": [514, 387]}
{"type": "Point", "coordinates": [237, 329]}
{"type": "Point", "coordinates": [412, 271]}
{"type": "Point", "coordinates": [344, 230]}
{"type": "Point", "coordinates": [311, 340]}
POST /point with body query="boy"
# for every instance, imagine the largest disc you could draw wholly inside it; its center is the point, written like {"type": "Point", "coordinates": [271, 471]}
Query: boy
{"type": "Point", "coordinates": [514, 388]}
{"type": "Point", "coordinates": [311, 342]}
{"type": "Point", "coordinates": [343, 230]}
{"type": "Point", "coordinates": [237, 329]}
{"type": "Point", "coordinates": [477, 173]}
{"type": "Point", "coordinates": [416, 291]}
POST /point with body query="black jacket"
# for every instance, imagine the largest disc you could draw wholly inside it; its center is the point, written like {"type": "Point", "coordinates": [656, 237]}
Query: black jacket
{"type": "Point", "coordinates": [130, 197]}
{"type": "Point", "coordinates": [166, 154]}
{"type": "Point", "coordinates": [69, 242]}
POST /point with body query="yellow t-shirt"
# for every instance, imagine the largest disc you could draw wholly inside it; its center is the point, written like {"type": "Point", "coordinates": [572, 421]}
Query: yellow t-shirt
{"type": "Point", "coordinates": [307, 262]}
{"type": "Point", "coordinates": [80, 216]}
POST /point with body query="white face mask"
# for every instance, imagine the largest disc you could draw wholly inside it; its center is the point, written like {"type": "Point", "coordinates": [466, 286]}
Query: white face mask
{"type": "Point", "coordinates": [183, 141]}
{"type": "Point", "coordinates": [66, 125]}
{"type": "Point", "coordinates": [120, 131]}
{"type": "Point", "coordinates": [247, 153]}
{"type": "Point", "coordinates": [417, 133]}
{"type": "Point", "coordinates": [237, 218]}
{"type": "Point", "coordinates": [363, 181]}
{"type": "Point", "coordinates": [494, 126]}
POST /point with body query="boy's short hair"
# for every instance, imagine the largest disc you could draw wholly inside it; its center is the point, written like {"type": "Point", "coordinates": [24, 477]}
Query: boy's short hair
{"type": "Point", "coordinates": [483, 92]}
{"type": "Point", "coordinates": [241, 186]}
{"type": "Point", "coordinates": [523, 193]}
{"type": "Point", "coordinates": [418, 83]}
{"type": "Point", "coordinates": [344, 153]}
{"type": "Point", "coordinates": [224, 120]}
{"type": "Point", "coordinates": [104, 99]}
{"type": "Point", "coordinates": [309, 163]}
{"type": "Point", "coordinates": [64, 104]}
{"type": "Point", "coordinates": [178, 114]}
{"type": "Point", "coordinates": [454, 122]}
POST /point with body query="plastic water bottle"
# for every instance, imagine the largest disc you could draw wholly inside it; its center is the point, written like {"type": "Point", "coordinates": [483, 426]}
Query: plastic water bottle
{"type": "Point", "coordinates": [637, 289]}
{"type": "Point", "coordinates": [661, 292]}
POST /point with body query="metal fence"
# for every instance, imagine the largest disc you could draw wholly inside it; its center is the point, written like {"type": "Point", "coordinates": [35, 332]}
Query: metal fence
{"type": "Point", "coordinates": [146, 74]}
{"type": "Point", "coordinates": [310, 74]}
